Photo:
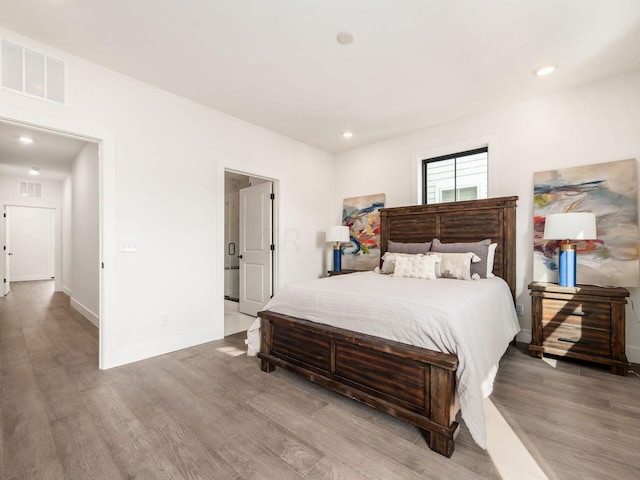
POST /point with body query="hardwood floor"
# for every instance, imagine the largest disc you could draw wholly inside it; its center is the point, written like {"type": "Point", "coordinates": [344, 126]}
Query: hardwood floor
{"type": "Point", "coordinates": [208, 412]}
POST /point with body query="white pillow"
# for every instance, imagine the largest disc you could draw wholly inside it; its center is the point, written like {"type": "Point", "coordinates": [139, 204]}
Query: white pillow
{"type": "Point", "coordinates": [389, 260]}
{"type": "Point", "coordinates": [491, 253]}
{"type": "Point", "coordinates": [456, 265]}
{"type": "Point", "coordinates": [416, 266]}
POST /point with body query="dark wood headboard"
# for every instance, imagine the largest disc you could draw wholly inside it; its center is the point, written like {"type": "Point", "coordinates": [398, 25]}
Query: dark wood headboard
{"type": "Point", "coordinates": [470, 221]}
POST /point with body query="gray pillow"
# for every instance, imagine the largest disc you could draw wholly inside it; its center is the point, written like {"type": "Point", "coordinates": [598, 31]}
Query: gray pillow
{"type": "Point", "coordinates": [481, 249]}
{"type": "Point", "coordinates": [411, 248]}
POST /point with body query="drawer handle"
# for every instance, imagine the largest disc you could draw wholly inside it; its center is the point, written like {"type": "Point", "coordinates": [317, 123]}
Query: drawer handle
{"type": "Point", "coordinates": [577, 314]}
{"type": "Point", "coordinates": [571, 340]}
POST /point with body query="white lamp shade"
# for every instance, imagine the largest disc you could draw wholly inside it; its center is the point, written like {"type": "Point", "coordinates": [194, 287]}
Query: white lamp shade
{"type": "Point", "coordinates": [570, 226]}
{"type": "Point", "coordinates": [338, 234]}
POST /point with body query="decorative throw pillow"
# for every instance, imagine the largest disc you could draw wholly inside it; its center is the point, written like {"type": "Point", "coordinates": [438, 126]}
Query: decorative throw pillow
{"type": "Point", "coordinates": [481, 249]}
{"type": "Point", "coordinates": [416, 266]}
{"type": "Point", "coordinates": [413, 248]}
{"type": "Point", "coordinates": [389, 261]}
{"type": "Point", "coordinates": [456, 265]}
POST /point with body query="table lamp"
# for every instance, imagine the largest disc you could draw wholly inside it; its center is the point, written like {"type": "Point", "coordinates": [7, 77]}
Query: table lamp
{"type": "Point", "coordinates": [337, 235]}
{"type": "Point", "coordinates": [567, 227]}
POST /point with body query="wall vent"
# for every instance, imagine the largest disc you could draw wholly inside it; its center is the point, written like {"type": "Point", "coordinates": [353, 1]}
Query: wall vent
{"type": "Point", "coordinates": [31, 189]}
{"type": "Point", "coordinates": [33, 73]}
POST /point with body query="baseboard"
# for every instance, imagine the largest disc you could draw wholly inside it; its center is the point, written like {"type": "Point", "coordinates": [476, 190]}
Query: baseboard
{"type": "Point", "coordinates": [66, 291]}
{"type": "Point", "coordinates": [524, 336]}
{"type": "Point", "coordinates": [30, 278]}
{"type": "Point", "coordinates": [85, 312]}
{"type": "Point", "coordinates": [136, 353]}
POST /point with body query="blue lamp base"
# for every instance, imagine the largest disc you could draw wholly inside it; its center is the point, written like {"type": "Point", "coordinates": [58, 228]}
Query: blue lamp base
{"type": "Point", "coordinates": [567, 270]}
{"type": "Point", "coordinates": [337, 259]}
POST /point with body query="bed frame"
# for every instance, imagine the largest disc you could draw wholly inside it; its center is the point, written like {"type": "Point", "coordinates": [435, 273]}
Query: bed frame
{"type": "Point", "coordinates": [413, 384]}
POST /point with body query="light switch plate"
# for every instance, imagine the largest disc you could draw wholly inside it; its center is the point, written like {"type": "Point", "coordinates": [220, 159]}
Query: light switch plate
{"type": "Point", "coordinates": [129, 246]}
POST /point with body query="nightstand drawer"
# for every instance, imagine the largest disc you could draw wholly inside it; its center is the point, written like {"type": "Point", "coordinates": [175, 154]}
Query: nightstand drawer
{"type": "Point", "coordinates": [577, 314]}
{"type": "Point", "coordinates": [586, 341]}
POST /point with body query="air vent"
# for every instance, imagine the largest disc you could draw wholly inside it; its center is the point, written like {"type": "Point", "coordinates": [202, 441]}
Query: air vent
{"type": "Point", "coordinates": [33, 73]}
{"type": "Point", "coordinates": [31, 189]}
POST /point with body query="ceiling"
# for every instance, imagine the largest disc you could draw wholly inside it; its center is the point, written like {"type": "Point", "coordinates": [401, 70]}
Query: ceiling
{"type": "Point", "coordinates": [52, 154]}
{"type": "Point", "coordinates": [277, 64]}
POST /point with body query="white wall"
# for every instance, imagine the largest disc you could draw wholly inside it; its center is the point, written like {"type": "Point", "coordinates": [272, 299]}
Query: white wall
{"type": "Point", "coordinates": [51, 198]}
{"type": "Point", "coordinates": [66, 235]}
{"type": "Point", "coordinates": [85, 229]}
{"type": "Point", "coordinates": [592, 124]}
{"type": "Point", "coordinates": [163, 160]}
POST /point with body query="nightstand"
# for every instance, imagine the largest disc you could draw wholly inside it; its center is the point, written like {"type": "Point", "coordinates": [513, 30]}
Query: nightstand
{"type": "Point", "coordinates": [584, 322]}
{"type": "Point", "coordinates": [344, 271]}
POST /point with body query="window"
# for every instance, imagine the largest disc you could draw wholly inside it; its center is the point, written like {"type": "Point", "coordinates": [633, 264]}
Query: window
{"type": "Point", "coordinates": [455, 177]}
{"type": "Point", "coordinates": [32, 73]}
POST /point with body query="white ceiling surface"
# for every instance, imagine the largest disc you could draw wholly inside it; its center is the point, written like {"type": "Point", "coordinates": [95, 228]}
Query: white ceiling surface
{"type": "Point", "coordinates": [53, 154]}
{"type": "Point", "coordinates": [415, 63]}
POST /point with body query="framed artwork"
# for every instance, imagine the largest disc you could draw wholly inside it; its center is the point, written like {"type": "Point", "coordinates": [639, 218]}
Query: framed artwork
{"type": "Point", "coordinates": [362, 216]}
{"type": "Point", "coordinates": [610, 191]}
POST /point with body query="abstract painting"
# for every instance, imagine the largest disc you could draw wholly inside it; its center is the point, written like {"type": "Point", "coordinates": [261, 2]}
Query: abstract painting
{"type": "Point", "coordinates": [362, 216]}
{"type": "Point", "coordinates": [610, 191]}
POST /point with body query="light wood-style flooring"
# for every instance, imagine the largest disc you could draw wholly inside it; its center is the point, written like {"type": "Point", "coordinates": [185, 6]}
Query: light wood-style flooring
{"type": "Point", "coordinates": [234, 321]}
{"type": "Point", "coordinates": [208, 412]}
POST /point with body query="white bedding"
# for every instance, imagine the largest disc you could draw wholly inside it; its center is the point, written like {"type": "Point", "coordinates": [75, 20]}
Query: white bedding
{"type": "Point", "coordinates": [474, 320]}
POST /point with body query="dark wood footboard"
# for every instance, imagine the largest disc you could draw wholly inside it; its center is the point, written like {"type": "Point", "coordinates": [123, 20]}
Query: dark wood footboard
{"type": "Point", "coordinates": [410, 383]}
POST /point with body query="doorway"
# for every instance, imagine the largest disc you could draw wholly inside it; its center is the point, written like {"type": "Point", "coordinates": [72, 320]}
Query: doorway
{"type": "Point", "coordinates": [30, 244]}
{"type": "Point", "coordinates": [53, 228]}
{"type": "Point", "coordinates": [233, 183]}
{"type": "Point", "coordinates": [249, 248]}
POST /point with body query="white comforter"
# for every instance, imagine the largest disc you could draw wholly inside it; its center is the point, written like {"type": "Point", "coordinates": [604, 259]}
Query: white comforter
{"type": "Point", "coordinates": [474, 320]}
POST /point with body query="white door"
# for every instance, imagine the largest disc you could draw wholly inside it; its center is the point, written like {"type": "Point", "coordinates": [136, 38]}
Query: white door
{"type": "Point", "coordinates": [7, 253]}
{"type": "Point", "coordinates": [32, 243]}
{"type": "Point", "coordinates": [256, 239]}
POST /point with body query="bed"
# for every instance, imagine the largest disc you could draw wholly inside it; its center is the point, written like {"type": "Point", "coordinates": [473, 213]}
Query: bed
{"type": "Point", "coordinates": [412, 383]}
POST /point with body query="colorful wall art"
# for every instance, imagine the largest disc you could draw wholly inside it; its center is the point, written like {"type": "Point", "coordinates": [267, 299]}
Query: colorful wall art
{"type": "Point", "coordinates": [610, 191]}
{"type": "Point", "coordinates": [362, 216]}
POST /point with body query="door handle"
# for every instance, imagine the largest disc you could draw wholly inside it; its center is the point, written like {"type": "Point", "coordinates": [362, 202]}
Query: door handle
{"type": "Point", "coordinates": [10, 253]}
{"type": "Point", "coordinates": [239, 256]}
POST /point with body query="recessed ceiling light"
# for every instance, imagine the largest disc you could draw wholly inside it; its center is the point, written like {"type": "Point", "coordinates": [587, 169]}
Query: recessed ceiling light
{"type": "Point", "coordinates": [345, 38]}
{"type": "Point", "coordinates": [544, 70]}
{"type": "Point", "coordinates": [347, 134]}
{"type": "Point", "coordinates": [34, 171]}
{"type": "Point", "coordinates": [26, 140]}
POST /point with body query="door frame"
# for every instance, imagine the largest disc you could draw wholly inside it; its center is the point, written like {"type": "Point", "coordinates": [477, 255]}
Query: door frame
{"type": "Point", "coordinates": [6, 272]}
{"type": "Point", "coordinates": [105, 140]}
{"type": "Point", "coordinates": [219, 266]}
